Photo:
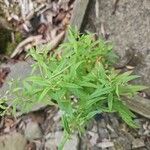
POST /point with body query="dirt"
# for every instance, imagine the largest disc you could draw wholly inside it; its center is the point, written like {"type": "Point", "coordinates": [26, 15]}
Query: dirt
{"type": "Point", "coordinates": [42, 130]}
{"type": "Point", "coordinates": [126, 25]}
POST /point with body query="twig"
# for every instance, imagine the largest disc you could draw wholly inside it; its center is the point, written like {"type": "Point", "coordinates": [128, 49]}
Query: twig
{"type": "Point", "coordinates": [54, 43]}
{"type": "Point", "coordinates": [36, 40]}
{"type": "Point", "coordinates": [33, 12]}
{"type": "Point", "coordinates": [97, 9]}
{"type": "Point", "coordinates": [31, 39]}
{"type": "Point", "coordinates": [115, 7]}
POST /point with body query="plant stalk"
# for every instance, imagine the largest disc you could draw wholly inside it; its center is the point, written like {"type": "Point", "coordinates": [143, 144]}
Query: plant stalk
{"type": "Point", "coordinates": [64, 140]}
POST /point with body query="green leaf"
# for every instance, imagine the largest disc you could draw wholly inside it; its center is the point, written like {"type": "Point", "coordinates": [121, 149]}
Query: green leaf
{"type": "Point", "coordinates": [65, 124]}
{"type": "Point", "coordinates": [27, 86]}
{"type": "Point", "coordinates": [100, 91]}
{"type": "Point", "coordinates": [130, 89]}
{"type": "Point", "coordinates": [125, 113]}
{"type": "Point", "coordinates": [71, 85]}
{"type": "Point", "coordinates": [87, 84]}
{"type": "Point", "coordinates": [65, 105]}
{"type": "Point", "coordinates": [92, 114]}
{"type": "Point", "coordinates": [58, 95]}
{"type": "Point", "coordinates": [125, 77]}
{"type": "Point", "coordinates": [110, 101]}
{"type": "Point", "coordinates": [90, 102]}
{"type": "Point", "coordinates": [43, 94]}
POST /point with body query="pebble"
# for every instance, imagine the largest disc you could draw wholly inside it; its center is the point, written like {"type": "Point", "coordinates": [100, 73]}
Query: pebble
{"type": "Point", "coordinates": [19, 70]}
{"type": "Point", "coordinates": [54, 140]}
{"type": "Point", "coordinates": [122, 143]}
{"type": "Point", "coordinates": [33, 131]}
{"type": "Point", "coordinates": [12, 141]}
{"type": "Point", "coordinates": [105, 144]}
{"type": "Point", "coordinates": [103, 133]}
{"type": "Point", "coordinates": [94, 128]}
{"type": "Point", "coordinates": [115, 122]}
{"type": "Point", "coordinates": [94, 137]}
{"type": "Point", "coordinates": [102, 124]}
{"type": "Point", "coordinates": [137, 143]}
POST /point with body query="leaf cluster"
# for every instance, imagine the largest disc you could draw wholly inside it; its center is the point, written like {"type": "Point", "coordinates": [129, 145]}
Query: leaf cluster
{"type": "Point", "coordinates": [82, 82]}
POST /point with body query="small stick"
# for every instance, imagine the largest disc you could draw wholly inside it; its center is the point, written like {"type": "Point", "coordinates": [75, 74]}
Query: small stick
{"type": "Point", "coordinates": [36, 40]}
{"type": "Point", "coordinates": [19, 48]}
{"type": "Point", "coordinates": [115, 7]}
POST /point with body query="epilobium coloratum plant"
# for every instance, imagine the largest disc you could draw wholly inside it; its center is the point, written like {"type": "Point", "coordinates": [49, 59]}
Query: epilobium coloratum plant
{"type": "Point", "coordinates": [84, 71]}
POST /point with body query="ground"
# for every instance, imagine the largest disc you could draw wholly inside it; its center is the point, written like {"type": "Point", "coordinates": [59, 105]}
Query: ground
{"type": "Point", "coordinates": [126, 24]}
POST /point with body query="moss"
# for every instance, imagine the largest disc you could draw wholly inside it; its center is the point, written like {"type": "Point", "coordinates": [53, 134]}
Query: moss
{"type": "Point", "coordinates": [6, 45]}
{"type": "Point", "coordinates": [11, 46]}
{"type": "Point", "coordinates": [5, 38]}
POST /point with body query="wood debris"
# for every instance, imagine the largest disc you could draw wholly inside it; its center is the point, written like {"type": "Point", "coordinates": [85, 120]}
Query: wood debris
{"type": "Point", "coordinates": [30, 40]}
{"type": "Point", "coordinates": [39, 22]}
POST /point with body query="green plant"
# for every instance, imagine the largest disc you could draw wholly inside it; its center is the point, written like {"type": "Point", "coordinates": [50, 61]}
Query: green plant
{"type": "Point", "coordinates": [3, 107]}
{"type": "Point", "coordinates": [84, 71]}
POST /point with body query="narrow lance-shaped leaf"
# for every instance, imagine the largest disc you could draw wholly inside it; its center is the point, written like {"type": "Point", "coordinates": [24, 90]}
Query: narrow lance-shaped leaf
{"type": "Point", "coordinates": [110, 101]}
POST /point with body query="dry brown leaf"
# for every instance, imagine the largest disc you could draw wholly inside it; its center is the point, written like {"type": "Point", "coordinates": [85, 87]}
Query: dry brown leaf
{"type": "Point", "coordinates": [60, 17]}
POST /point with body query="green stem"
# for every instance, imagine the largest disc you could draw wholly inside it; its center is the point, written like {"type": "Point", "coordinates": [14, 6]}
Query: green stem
{"type": "Point", "coordinates": [64, 140]}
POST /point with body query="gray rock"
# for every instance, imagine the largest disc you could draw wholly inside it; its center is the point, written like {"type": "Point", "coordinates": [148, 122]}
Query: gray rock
{"type": "Point", "coordinates": [12, 141]}
{"type": "Point", "coordinates": [95, 148]}
{"type": "Point", "coordinates": [19, 70]}
{"type": "Point", "coordinates": [114, 122]}
{"type": "Point", "coordinates": [94, 128]}
{"type": "Point", "coordinates": [93, 138]}
{"type": "Point", "coordinates": [113, 135]}
{"type": "Point", "coordinates": [103, 133]}
{"type": "Point", "coordinates": [137, 143]}
{"type": "Point", "coordinates": [55, 139]}
{"type": "Point", "coordinates": [128, 30]}
{"type": "Point", "coordinates": [102, 123]}
{"type": "Point", "coordinates": [112, 132]}
{"type": "Point", "coordinates": [105, 144]}
{"type": "Point", "coordinates": [122, 143]}
{"type": "Point", "coordinates": [33, 131]}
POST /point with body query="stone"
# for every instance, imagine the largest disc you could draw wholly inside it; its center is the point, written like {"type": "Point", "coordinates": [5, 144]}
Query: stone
{"type": "Point", "coordinates": [102, 123]}
{"type": "Point", "coordinates": [33, 131]}
{"type": "Point", "coordinates": [128, 30]}
{"type": "Point", "coordinates": [103, 133]}
{"type": "Point", "coordinates": [19, 70]}
{"type": "Point", "coordinates": [122, 143]}
{"type": "Point", "coordinates": [113, 135]}
{"type": "Point", "coordinates": [105, 144]}
{"type": "Point", "coordinates": [55, 139]}
{"type": "Point", "coordinates": [137, 143]}
{"type": "Point", "coordinates": [13, 141]}
{"type": "Point", "coordinates": [114, 121]}
{"type": "Point", "coordinates": [94, 128]}
{"type": "Point", "coordinates": [93, 138]}
{"type": "Point", "coordinates": [95, 148]}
